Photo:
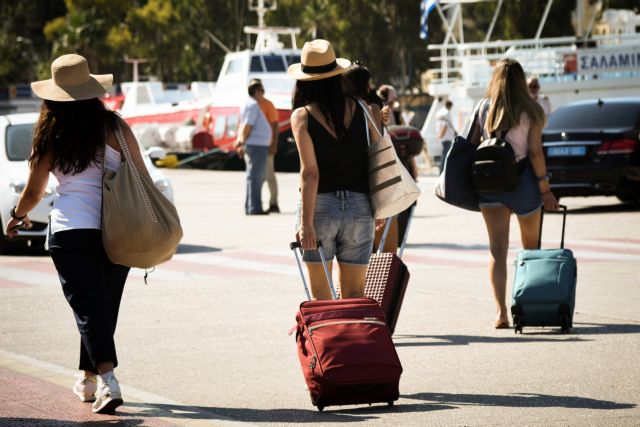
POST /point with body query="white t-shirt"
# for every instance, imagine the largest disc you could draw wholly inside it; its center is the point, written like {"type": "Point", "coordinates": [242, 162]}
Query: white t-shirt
{"type": "Point", "coordinates": [444, 119]}
{"type": "Point", "coordinates": [79, 202]}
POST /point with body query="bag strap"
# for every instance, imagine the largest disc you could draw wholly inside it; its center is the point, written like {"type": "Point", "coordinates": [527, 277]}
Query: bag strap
{"type": "Point", "coordinates": [369, 118]}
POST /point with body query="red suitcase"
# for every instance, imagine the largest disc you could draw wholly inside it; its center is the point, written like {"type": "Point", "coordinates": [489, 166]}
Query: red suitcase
{"type": "Point", "coordinates": [387, 278]}
{"type": "Point", "coordinates": [345, 350]}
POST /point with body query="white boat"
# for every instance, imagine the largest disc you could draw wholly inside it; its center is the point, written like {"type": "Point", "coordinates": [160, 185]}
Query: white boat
{"type": "Point", "coordinates": [569, 68]}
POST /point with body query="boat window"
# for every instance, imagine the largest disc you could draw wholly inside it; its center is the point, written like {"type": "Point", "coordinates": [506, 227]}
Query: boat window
{"type": "Point", "coordinates": [293, 59]}
{"type": "Point", "coordinates": [235, 66]}
{"type": "Point", "coordinates": [256, 64]}
{"type": "Point", "coordinates": [143, 95]}
{"type": "Point", "coordinates": [232, 126]}
{"type": "Point", "coordinates": [218, 127]}
{"type": "Point", "coordinates": [605, 116]}
{"type": "Point", "coordinates": [274, 63]}
{"type": "Point", "coordinates": [19, 139]}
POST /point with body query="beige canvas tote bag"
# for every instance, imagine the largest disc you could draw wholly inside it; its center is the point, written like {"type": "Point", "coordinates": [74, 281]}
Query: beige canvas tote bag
{"type": "Point", "coordinates": [392, 189]}
{"type": "Point", "coordinates": [140, 226]}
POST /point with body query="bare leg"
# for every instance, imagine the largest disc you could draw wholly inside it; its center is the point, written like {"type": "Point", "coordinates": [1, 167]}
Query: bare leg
{"type": "Point", "coordinates": [318, 280]}
{"type": "Point", "coordinates": [105, 367]}
{"type": "Point", "coordinates": [352, 280]}
{"type": "Point", "coordinates": [271, 181]}
{"type": "Point", "coordinates": [391, 244]}
{"type": "Point", "coordinates": [530, 229]}
{"type": "Point", "coordinates": [497, 221]}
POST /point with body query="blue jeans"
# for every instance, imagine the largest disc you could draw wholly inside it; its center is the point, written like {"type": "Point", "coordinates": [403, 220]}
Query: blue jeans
{"type": "Point", "coordinates": [256, 160]}
{"type": "Point", "coordinates": [344, 223]}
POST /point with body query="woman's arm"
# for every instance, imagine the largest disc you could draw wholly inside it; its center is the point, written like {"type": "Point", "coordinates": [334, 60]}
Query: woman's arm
{"type": "Point", "coordinates": [32, 193]}
{"type": "Point", "coordinates": [309, 178]}
{"type": "Point", "coordinates": [539, 167]}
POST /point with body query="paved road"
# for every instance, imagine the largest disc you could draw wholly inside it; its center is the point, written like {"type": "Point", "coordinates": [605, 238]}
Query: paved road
{"type": "Point", "coordinates": [206, 341]}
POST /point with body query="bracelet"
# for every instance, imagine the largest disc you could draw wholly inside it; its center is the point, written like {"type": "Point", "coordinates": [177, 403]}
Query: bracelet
{"type": "Point", "coordinates": [16, 217]}
{"type": "Point", "coordinates": [545, 177]}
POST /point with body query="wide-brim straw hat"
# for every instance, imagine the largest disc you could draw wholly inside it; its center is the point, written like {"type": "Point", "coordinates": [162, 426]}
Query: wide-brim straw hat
{"type": "Point", "coordinates": [318, 61]}
{"type": "Point", "coordinates": [71, 81]}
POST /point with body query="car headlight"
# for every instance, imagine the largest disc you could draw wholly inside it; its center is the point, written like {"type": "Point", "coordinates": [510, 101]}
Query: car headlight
{"type": "Point", "coordinates": [18, 188]}
{"type": "Point", "coordinates": [162, 185]}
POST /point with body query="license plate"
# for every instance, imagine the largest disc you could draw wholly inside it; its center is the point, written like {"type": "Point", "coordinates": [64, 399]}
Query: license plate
{"type": "Point", "coordinates": [578, 150]}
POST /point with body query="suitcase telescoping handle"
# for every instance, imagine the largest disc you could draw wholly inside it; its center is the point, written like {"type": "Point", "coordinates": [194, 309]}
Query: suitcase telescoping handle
{"type": "Point", "coordinates": [298, 246]}
{"type": "Point", "coordinates": [387, 225]}
{"type": "Point", "coordinates": [564, 222]}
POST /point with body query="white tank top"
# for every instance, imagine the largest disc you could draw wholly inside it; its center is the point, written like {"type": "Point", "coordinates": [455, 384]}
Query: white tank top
{"type": "Point", "coordinates": [79, 199]}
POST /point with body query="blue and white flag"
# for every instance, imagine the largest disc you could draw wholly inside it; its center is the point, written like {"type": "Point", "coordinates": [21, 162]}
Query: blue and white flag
{"type": "Point", "coordinates": [425, 8]}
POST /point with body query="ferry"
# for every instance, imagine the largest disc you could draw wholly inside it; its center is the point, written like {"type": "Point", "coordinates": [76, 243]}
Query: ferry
{"type": "Point", "coordinates": [587, 66]}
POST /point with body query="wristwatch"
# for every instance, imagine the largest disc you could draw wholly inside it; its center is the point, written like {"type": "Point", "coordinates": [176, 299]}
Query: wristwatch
{"type": "Point", "coordinates": [14, 216]}
{"type": "Point", "coordinates": [545, 177]}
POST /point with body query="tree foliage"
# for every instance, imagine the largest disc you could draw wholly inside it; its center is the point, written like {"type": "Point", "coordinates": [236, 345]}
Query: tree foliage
{"type": "Point", "coordinates": [382, 34]}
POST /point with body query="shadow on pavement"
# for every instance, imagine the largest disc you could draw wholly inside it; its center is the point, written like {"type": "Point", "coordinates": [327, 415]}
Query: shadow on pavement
{"type": "Point", "coordinates": [39, 422]}
{"type": "Point", "coordinates": [445, 340]}
{"type": "Point", "coordinates": [336, 414]}
{"type": "Point", "coordinates": [519, 400]}
{"type": "Point", "coordinates": [592, 329]}
{"type": "Point", "coordinates": [194, 249]}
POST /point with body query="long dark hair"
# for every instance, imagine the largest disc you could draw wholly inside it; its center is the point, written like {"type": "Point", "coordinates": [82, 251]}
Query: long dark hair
{"type": "Point", "coordinates": [329, 95]}
{"type": "Point", "coordinates": [75, 133]}
{"type": "Point", "coordinates": [358, 77]}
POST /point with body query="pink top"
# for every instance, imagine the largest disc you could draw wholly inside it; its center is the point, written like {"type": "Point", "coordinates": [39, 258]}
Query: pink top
{"type": "Point", "coordinates": [518, 137]}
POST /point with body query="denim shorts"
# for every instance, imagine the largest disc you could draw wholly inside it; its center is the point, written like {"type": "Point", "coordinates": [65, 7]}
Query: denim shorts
{"type": "Point", "coordinates": [344, 224]}
{"type": "Point", "coordinates": [523, 201]}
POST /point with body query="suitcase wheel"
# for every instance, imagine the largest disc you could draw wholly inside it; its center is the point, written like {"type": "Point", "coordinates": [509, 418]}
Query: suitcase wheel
{"type": "Point", "coordinates": [320, 408]}
{"type": "Point", "coordinates": [390, 402]}
{"type": "Point", "coordinates": [565, 319]}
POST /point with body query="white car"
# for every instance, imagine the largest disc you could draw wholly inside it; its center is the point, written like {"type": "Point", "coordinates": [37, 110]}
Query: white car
{"type": "Point", "coordinates": [16, 135]}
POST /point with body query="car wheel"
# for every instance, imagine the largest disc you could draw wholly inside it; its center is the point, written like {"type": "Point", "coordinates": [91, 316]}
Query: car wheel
{"type": "Point", "coordinates": [629, 198]}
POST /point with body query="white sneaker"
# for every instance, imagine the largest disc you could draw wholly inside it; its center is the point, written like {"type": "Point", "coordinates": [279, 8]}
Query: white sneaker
{"type": "Point", "coordinates": [109, 397]}
{"type": "Point", "coordinates": [85, 388]}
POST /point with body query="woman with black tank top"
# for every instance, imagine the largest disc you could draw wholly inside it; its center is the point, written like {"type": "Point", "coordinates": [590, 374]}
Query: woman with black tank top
{"type": "Point", "coordinates": [330, 132]}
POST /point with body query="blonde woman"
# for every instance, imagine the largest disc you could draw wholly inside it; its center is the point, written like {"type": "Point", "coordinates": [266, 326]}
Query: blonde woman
{"type": "Point", "coordinates": [511, 113]}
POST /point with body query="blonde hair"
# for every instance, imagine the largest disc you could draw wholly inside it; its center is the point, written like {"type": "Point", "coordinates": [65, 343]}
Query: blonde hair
{"type": "Point", "coordinates": [510, 97]}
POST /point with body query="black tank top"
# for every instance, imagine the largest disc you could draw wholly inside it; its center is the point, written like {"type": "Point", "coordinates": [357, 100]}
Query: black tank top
{"type": "Point", "coordinates": [342, 163]}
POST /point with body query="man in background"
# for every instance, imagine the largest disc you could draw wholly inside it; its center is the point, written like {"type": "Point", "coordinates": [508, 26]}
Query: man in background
{"type": "Point", "coordinates": [271, 114]}
{"type": "Point", "coordinates": [445, 130]}
{"type": "Point", "coordinates": [253, 142]}
{"type": "Point", "coordinates": [534, 90]}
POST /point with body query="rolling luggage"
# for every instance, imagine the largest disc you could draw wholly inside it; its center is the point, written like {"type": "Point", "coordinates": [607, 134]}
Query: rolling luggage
{"type": "Point", "coordinates": [387, 278]}
{"type": "Point", "coordinates": [544, 288]}
{"type": "Point", "coordinates": [345, 349]}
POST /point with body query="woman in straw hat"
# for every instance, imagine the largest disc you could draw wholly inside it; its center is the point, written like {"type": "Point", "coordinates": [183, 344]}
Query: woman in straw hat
{"type": "Point", "coordinates": [330, 132]}
{"type": "Point", "coordinates": [74, 139]}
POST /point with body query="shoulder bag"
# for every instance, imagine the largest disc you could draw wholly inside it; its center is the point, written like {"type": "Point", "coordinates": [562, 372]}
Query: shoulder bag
{"type": "Point", "coordinates": [455, 184]}
{"type": "Point", "coordinates": [391, 187]}
{"type": "Point", "coordinates": [140, 226]}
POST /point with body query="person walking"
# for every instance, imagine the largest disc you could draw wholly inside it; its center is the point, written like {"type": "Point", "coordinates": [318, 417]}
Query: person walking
{"type": "Point", "coordinates": [271, 114]}
{"type": "Point", "coordinates": [390, 111]}
{"type": "Point", "coordinates": [511, 113]}
{"type": "Point", "coordinates": [359, 79]}
{"type": "Point", "coordinates": [445, 130]}
{"type": "Point", "coordinates": [330, 129]}
{"type": "Point", "coordinates": [253, 143]}
{"type": "Point", "coordinates": [75, 140]}
{"type": "Point", "coordinates": [534, 89]}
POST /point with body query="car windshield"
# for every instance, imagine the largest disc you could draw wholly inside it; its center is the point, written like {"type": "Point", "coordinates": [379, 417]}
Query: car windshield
{"type": "Point", "coordinates": [19, 139]}
{"type": "Point", "coordinates": [594, 116]}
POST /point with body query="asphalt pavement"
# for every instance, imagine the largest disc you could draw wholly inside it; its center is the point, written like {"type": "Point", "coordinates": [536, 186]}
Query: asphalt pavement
{"type": "Point", "coordinates": [205, 342]}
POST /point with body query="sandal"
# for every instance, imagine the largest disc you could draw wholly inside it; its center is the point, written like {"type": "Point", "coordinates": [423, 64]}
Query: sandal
{"type": "Point", "coordinates": [501, 324]}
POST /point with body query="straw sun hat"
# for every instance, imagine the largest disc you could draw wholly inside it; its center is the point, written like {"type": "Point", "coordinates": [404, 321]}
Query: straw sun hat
{"type": "Point", "coordinates": [71, 81]}
{"type": "Point", "coordinates": [318, 61]}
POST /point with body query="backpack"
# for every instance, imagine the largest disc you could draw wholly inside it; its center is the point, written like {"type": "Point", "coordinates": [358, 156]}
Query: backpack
{"type": "Point", "coordinates": [494, 167]}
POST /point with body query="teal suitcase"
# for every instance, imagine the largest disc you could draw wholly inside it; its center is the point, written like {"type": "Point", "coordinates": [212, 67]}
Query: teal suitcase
{"type": "Point", "coordinates": [544, 287]}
